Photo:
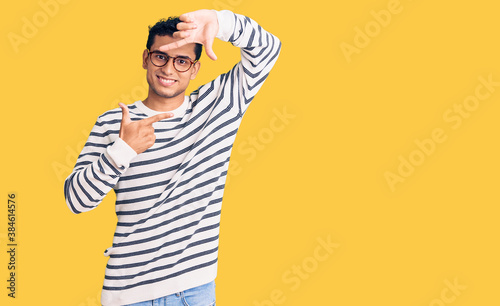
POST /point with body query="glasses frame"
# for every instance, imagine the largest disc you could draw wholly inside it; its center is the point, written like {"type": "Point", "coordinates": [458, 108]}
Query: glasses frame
{"type": "Point", "coordinates": [168, 59]}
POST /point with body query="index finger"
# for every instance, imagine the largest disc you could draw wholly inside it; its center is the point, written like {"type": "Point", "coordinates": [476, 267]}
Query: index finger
{"type": "Point", "coordinates": [157, 118]}
{"type": "Point", "coordinates": [173, 45]}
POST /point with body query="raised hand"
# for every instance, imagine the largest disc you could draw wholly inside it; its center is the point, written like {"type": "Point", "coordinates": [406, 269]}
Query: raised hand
{"type": "Point", "coordinates": [139, 135]}
{"type": "Point", "coordinates": [196, 27]}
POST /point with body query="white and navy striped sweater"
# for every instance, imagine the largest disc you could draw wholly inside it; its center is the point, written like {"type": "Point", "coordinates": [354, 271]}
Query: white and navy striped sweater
{"type": "Point", "coordinates": [168, 198]}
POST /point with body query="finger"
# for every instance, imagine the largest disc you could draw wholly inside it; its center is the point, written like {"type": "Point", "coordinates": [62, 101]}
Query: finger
{"type": "Point", "coordinates": [187, 17]}
{"type": "Point", "coordinates": [181, 34]}
{"type": "Point", "coordinates": [156, 118]}
{"type": "Point", "coordinates": [209, 51]}
{"type": "Point", "coordinates": [182, 26]}
{"type": "Point", "coordinates": [125, 113]}
{"type": "Point", "coordinates": [173, 45]}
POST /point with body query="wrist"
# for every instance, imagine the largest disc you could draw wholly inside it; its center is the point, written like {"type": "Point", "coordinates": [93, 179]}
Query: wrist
{"type": "Point", "coordinates": [121, 153]}
{"type": "Point", "coordinates": [225, 23]}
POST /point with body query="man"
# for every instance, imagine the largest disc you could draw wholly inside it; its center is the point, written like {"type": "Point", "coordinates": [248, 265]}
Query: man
{"type": "Point", "coordinates": [167, 157]}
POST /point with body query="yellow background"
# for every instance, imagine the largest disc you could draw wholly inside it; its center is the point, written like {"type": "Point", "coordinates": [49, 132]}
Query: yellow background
{"type": "Point", "coordinates": [320, 176]}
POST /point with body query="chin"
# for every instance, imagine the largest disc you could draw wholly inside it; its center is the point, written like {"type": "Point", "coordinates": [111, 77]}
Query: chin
{"type": "Point", "coordinates": [168, 95]}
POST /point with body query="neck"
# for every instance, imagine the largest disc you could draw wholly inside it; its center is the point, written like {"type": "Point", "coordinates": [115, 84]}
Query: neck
{"type": "Point", "coordinates": [161, 104]}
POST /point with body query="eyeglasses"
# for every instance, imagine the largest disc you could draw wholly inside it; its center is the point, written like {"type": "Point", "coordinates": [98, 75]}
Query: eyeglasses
{"type": "Point", "coordinates": [160, 59]}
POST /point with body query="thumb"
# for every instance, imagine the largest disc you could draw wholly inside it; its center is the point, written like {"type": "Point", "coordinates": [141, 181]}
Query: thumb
{"type": "Point", "coordinates": [209, 51]}
{"type": "Point", "coordinates": [125, 113]}
{"type": "Point", "coordinates": [125, 118]}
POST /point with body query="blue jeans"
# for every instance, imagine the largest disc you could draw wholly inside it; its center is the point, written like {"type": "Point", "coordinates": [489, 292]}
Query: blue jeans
{"type": "Point", "coordinates": [203, 295]}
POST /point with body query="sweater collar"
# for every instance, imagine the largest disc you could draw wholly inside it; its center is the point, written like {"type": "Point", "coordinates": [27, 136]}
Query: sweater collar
{"type": "Point", "coordinates": [178, 112]}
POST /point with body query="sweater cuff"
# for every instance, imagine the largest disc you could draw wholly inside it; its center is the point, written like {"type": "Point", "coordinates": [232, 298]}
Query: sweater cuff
{"type": "Point", "coordinates": [121, 153]}
{"type": "Point", "coordinates": [226, 21]}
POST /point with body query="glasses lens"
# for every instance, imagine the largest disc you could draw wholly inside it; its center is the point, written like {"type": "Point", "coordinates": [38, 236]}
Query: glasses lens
{"type": "Point", "coordinates": [182, 64]}
{"type": "Point", "coordinates": [158, 59]}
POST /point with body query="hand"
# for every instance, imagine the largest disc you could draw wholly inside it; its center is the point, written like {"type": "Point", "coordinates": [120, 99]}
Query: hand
{"type": "Point", "coordinates": [196, 27]}
{"type": "Point", "coordinates": [139, 135]}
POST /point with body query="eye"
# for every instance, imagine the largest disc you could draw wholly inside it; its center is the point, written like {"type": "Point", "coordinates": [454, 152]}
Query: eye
{"type": "Point", "coordinates": [160, 56]}
{"type": "Point", "coordinates": [181, 61]}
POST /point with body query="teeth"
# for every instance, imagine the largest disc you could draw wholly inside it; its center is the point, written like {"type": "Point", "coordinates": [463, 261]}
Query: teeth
{"type": "Point", "coordinates": [166, 81]}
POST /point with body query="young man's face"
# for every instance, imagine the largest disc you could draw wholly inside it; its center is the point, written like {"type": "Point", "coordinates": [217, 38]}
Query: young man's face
{"type": "Point", "coordinates": [166, 81]}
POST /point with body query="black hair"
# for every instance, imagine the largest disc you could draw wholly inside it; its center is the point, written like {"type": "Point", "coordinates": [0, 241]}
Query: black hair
{"type": "Point", "coordinates": [168, 27]}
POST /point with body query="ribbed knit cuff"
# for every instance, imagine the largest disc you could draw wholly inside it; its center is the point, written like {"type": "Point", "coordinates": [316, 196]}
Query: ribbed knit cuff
{"type": "Point", "coordinates": [121, 153]}
{"type": "Point", "coordinates": [226, 21]}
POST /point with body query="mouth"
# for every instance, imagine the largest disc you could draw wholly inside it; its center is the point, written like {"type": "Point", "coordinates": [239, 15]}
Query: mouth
{"type": "Point", "coordinates": [166, 81]}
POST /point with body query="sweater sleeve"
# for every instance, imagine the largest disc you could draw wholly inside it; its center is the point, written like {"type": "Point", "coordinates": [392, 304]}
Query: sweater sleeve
{"type": "Point", "coordinates": [97, 170]}
{"type": "Point", "coordinates": [259, 52]}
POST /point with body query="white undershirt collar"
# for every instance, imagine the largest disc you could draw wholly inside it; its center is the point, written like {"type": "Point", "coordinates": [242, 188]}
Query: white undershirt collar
{"type": "Point", "coordinates": [178, 112]}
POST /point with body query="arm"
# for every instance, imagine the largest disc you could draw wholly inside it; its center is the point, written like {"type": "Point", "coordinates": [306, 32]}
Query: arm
{"type": "Point", "coordinates": [102, 160]}
{"type": "Point", "coordinates": [97, 169]}
{"type": "Point", "coordinates": [259, 52]}
{"type": "Point", "coordinates": [259, 48]}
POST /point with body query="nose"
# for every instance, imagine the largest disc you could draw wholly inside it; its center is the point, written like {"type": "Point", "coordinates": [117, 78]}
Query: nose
{"type": "Point", "coordinates": [169, 66]}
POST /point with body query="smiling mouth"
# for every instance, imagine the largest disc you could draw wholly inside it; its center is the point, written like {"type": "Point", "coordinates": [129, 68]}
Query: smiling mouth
{"type": "Point", "coordinates": [165, 81]}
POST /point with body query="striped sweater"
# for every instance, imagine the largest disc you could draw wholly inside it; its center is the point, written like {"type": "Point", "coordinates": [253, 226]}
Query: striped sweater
{"type": "Point", "coordinates": [168, 198]}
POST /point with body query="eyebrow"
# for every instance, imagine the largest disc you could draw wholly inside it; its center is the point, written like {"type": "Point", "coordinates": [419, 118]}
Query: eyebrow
{"type": "Point", "coordinates": [180, 56]}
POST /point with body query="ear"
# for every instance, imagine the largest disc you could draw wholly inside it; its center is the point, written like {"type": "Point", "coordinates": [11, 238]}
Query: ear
{"type": "Point", "coordinates": [196, 68]}
{"type": "Point", "coordinates": [145, 59]}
